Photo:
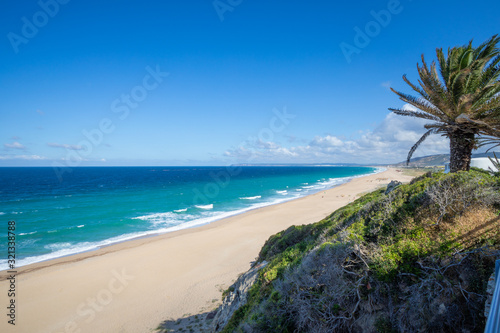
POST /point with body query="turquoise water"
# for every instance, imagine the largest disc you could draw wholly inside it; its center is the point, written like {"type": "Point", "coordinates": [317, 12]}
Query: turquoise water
{"type": "Point", "coordinates": [93, 207]}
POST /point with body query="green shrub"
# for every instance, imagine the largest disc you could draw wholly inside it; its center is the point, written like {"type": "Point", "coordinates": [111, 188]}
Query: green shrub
{"type": "Point", "coordinates": [391, 251]}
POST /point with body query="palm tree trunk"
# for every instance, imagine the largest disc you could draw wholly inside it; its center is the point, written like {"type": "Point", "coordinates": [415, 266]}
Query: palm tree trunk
{"type": "Point", "coordinates": [461, 145]}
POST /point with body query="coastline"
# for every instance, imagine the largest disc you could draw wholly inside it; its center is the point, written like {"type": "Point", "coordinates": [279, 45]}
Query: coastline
{"type": "Point", "coordinates": [195, 222]}
{"type": "Point", "coordinates": [134, 285]}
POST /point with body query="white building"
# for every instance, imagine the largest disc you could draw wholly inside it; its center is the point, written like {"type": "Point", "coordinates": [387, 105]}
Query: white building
{"type": "Point", "coordinates": [479, 162]}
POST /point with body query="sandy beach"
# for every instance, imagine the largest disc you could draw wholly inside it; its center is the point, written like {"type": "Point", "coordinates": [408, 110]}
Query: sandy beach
{"type": "Point", "coordinates": [136, 285]}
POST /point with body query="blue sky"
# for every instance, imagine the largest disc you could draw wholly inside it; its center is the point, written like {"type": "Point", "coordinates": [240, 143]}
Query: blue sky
{"type": "Point", "coordinates": [218, 82]}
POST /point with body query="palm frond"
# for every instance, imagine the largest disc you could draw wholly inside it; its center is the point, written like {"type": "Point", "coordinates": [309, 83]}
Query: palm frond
{"type": "Point", "coordinates": [415, 114]}
{"type": "Point", "coordinates": [418, 143]}
{"type": "Point", "coordinates": [488, 47]}
{"type": "Point", "coordinates": [493, 142]}
{"type": "Point", "coordinates": [439, 127]}
{"type": "Point", "coordinates": [490, 74]}
{"type": "Point", "coordinates": [496, 164]}
{"type": "Point", "coordinates": [434, 88]}
{"type": "Point", "coordinates": [422, 92]}
{"type": "Point", "coordinates": [421, 104]}
{"type": "Point", "coordinates": [489, 107]}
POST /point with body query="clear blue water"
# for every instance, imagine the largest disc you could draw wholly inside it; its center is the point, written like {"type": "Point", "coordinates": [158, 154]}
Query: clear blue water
{"type": "Point", "coordinates": [93, 207]}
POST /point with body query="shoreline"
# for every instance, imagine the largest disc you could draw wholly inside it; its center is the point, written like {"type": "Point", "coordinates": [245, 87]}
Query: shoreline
{"type": "Point", "coordinates": [190, 225]}
{"type": "Point", "coordinates": [135, 285]}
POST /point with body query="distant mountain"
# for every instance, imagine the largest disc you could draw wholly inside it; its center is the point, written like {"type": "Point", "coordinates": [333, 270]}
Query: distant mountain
{"type": "Point", "coordinates": [426, 161]}
{"type": "Point", "coordinates": [417, 162]}
{"type": "Point", "coordinates": [437, 160]}
{"type": "Point", "coordinates": [490, 154]}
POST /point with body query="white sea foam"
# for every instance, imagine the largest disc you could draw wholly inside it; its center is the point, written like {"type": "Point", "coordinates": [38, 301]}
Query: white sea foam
{"type": "Point", "coordinates": [181, 210]}
{"type": "Point", "coordinates": [155, 216]}
{"type": "Point", "coordinates": [166, 219]}
{"type": "Point", "coordinates": [190, 221]}
{"type": "Point", "coordinates": [159, 218]}
{"type": "Point", "coordinates": [207, 207]}
{"type": "Point", "coordinates": [169, 222]}
{"type": "Point", "coordinates": [81, 226]}
{"type": "Point", "coordinates": [27, 233]}
{"type": "Point", "coordinates": [251, 198]}
{"type": "Point", "coordinates": [63, 249]}
{"type": "Point", "coordinates": [22, 244]}
{"type": "Point", "coordinates": [58, 246]}
{"type": "Point", "coordinates": [2, 213]}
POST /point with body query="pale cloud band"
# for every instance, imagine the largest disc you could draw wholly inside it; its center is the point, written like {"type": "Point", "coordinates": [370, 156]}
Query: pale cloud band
{"type": "Point", "coordinates": [14, 145]}
{"type": "Point", "coordinates": [22, 157]}
{"type": "Point", "coordinates": [389, 142]}
{"type": "Point", "coordinates": [65, 146]}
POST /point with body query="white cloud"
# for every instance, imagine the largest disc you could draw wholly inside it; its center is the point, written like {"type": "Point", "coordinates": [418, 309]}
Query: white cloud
{"type": "Point", "coordinates": [265, 145]}
{"type": "Point", "coordinates": [394, 137]}
{"type": "Point", "coordinates": [260, 151]}
{"type": "Point", "coordinates": [14, 145]}
{"type": "Point", "coordinates": [22, 157]}
{"type": "Point", "coordinates": [65, 146]}
{"type": "Point", "coordinates": [327, 141]}
{"type": "Point", "coordinates": [409, 107]}
{"type": "Point", "coordinates": [407, 136]}
{"type": "Point", "coordinates": [389, 142]}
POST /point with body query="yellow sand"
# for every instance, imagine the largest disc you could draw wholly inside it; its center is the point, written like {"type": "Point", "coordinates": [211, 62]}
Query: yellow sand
{"type": "Point", "coordinates": [135, 285]}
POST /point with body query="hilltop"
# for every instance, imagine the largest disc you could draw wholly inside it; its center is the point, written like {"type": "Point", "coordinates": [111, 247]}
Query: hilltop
{"type": "Point", "coordinates": [436, 160]}
{"type": "Point", "coordinates": [417, 258]}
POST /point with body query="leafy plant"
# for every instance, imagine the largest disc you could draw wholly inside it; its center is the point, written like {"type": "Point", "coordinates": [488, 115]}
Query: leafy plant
{"type": "Point", "coordinates": [382, 261]}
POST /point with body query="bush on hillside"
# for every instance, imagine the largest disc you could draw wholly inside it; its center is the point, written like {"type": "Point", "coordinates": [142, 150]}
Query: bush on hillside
{"type": "Point", "coordinates": [417, 259]}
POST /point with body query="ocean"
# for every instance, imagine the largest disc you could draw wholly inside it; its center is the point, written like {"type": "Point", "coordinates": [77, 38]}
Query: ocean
{"type": "Point", "coordinates": [91, 207]}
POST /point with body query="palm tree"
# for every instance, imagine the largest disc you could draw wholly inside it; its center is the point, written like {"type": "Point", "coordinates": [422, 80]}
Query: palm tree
{"type": "Point", "coordinates": [460, 96]}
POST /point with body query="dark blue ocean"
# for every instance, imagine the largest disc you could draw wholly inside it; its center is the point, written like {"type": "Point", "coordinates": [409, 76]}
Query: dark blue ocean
{"type": "Point", "coordinates": [93, 207]}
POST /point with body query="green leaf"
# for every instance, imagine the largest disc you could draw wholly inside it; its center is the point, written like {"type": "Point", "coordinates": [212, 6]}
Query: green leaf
{"type": "Point", "coordinates": [466, 59]}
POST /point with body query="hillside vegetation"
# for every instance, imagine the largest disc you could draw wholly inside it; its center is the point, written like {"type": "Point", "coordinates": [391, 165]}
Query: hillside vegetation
{"type": "Point", "coordinates": [416, 259]}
